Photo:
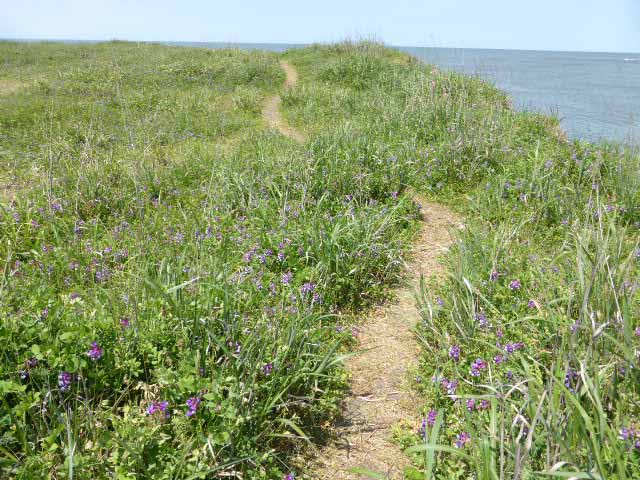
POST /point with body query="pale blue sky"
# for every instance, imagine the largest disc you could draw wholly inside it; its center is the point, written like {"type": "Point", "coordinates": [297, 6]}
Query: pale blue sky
{"type": "Point", "coordinates": [593, 25]}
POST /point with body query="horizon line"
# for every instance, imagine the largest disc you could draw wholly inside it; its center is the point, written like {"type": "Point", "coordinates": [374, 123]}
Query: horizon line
{"type": "Point", "coordinates": [293, 44]}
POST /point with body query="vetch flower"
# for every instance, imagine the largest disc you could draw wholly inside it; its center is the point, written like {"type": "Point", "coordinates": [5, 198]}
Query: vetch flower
{"type": "Point", "coordinates": [462, 439]}
{"type": "Point", "coordinates": [515, 285]}
{"type": "Point", "coordinates": [471, 404]}
{"type": "Point", "coordinates": [193, 403]}
{"type": "Point", "coordinates": [477, 366]}
{"type": "Point", "coordinates": [513, 347]}
{"type": "Point", "coordinates": [431, 417]}
{"type": "Point", "coordinates": [450, 386]}
{"type": "Point", "coordinates": [571, 380]}
{"type": "Point", "coordinates": [95, 352]}
{"type": "Point", "coordinates": [307, 287]}
{"type": "Point", "coordinates": [267, 368]}
{"type": "Point", "coordinates": [286, 278]}
{"type": "Point", "coordinates": [158, 408]}
{"type": "Point", "coordinates": [64, 380]}
{"type": "Point", "coordinates": [482, 319]}
{"type": "Point", "coordinates": [454, 352]}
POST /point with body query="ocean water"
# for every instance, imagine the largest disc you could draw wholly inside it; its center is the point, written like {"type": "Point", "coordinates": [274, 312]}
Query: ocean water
{"type": "Point", "coordinates": [595, 95]}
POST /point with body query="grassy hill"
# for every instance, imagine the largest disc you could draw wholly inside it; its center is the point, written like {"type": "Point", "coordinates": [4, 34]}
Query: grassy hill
{"type": "Point", "coordinates": [179, 281]}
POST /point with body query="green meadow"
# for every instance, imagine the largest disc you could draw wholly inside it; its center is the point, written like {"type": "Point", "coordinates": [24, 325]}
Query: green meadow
{"type": "Point", "coordinates": [181, 284]}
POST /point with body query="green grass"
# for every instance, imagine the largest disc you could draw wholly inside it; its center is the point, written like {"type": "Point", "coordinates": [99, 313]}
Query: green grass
{"type": "Point", "coordinates": [211, 258]}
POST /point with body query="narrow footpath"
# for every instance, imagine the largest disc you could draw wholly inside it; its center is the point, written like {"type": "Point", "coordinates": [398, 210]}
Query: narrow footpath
{"type": "Point", "coordinates": [379, 397]}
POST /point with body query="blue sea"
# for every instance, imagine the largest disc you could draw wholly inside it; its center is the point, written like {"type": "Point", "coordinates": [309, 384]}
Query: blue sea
{"type": "Point", "coordinates": [595, 95]}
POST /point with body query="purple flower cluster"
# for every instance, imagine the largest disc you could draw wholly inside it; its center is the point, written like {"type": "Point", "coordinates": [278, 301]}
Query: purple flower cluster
{"type": "Point", "coordinates": [454, 352]}
{"type": "Point", "coordinates": [286, 278]}
{"type": "Point", "coordinates": [472, 404]}
{"type": "Point", "coordinates": [571, 378]}
{"type": "Point", "coordinates": [158, 408]}
{"type": "Point", "coordinates": [462, 439]}
{"type": "Point", "coordinates": [450, 386]}
{"type": "Point", "coordinates": [427, 422]}
{"type": "Point", "coordinates": [267, 368]}
{"type": "Point", "coordinates": [193, 403]}
{"type": "Point", "coordinates": [64, 380]}
{"type": "Point", "coordinates": [631, 436]}
{"type": "Point", "coordinates": [482, 319]}
{"type": "Point", "coordinates": [95, 352]}
{"type": "Point", "coordinates": [513, 347]}
{"type": "Point", "coordinates": [307, 287]}
{"type": "Point", "coordinates": [477, 366]}
{"type": "Point", "coordinates": [515, 285]}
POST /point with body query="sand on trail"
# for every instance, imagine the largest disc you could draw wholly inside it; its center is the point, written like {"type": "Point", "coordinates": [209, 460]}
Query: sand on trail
{"type": "Point", "coordinates": [380, 397]}
{"type": "Point", "coordinates": [271, 110]}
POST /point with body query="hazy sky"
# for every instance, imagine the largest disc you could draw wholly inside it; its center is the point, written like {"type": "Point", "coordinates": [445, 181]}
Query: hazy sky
{"type": "Point", "coordinates": [595, 25]}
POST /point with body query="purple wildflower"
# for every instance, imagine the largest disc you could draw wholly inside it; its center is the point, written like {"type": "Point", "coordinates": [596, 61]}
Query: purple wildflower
{"type": "Point", "coordinates": [532, 304]}
{"type": "Point", "coordinates": [513, 347]}
{"type": "Point", "coordinates": [286, 278]}
{"type": "Point", "coordinates": [571, 380]}
{"type": "Point", "coordinates": [477, 366]}
{"type": "Point", "coordinates": [515, 284]}
{"type": "Point", "coordinates": [193, 403]}
{"type": "Point", "coordinates": [637, 331]}
{"type": "Point", "coordinates": [307, 287]}
{"type": "Point", "coordinates": [471, 404]}
{"type": "Point", "coordinates": [498, 359]}
{"type": "Point", "coordinates": [64, 380]}
{"type": "Point", "coordinates": [158, 407]}
{"type": "Point", "coordinates": [494, 275]}
{"type": "Point", "coordinates": [267, 368]}
{"type": "Point", "coordinates": [450, 386]}
{"type": "Point", "coordinates": [624, 434]}
{"type": "Point", "coordinates": [484, 404]}
{"type": "Point", "coordinates": [462, 439]}
{"type": "Point", "coordinates": [431, 417]}
{"type": "Point", "coordinates": [482, 319]}
{"type": "Point", "coordinates": [454, 352]}
{"type": "Point", "coordinates": [95, 352]}
{"type": "Point", "coordinates": [422, 431]}
{"type": "Point", "coordinates": [125, 322]}
{"type": "Point", "coordinates": [289, 476]}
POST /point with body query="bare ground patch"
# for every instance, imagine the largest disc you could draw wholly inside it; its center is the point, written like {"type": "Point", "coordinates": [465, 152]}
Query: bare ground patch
{"type": "Point", "coordinates": [271, 110]}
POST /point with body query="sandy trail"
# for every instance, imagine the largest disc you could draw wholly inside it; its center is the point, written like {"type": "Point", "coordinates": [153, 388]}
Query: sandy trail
{"type": "Point", "coordinates": [380, 397]}
{"type": "Point", "coordinates": [271, 110]}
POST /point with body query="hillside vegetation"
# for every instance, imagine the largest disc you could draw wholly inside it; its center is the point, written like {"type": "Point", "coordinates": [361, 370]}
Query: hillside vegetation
{"type": "Point", "coordinates": [179, 282]}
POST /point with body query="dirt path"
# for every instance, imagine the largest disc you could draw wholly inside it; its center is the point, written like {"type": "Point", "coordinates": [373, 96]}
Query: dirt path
{"type": "Point", "coordinates": [379, 397]}
{"type": "Point", "coordinates": [271, 110]}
